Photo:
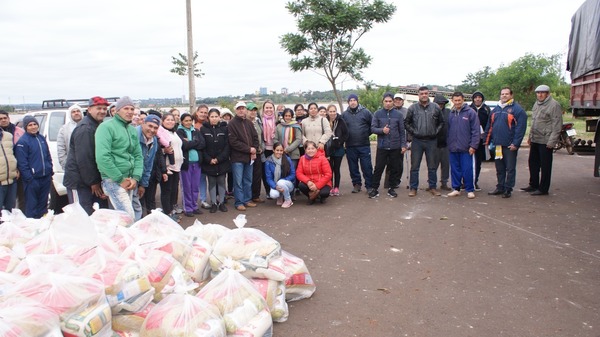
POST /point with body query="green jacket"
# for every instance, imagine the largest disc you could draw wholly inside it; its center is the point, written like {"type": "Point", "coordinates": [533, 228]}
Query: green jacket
{"type": "Point", "coordinates": [118, 153]}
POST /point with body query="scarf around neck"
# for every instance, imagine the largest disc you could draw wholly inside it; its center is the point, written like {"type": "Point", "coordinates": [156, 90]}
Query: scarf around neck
{"type": "Point", "coordinates": [277, 172]}
{"type": "Point", "coordinates": [268, 130]}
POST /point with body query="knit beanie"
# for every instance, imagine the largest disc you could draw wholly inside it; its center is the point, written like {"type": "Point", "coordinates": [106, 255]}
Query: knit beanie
{"type": "Point", "coordinates": [351, 96]}
{"type": "Point", "coordinates": [29, 119]}
{"type": "Point", "coordinates": [123, 102]}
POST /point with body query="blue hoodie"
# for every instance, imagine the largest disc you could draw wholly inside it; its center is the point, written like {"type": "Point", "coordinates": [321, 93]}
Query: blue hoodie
{"type": "Point", "coordinates": [148, 154]}
{"type": "Point", "coordinates": [464, 131]}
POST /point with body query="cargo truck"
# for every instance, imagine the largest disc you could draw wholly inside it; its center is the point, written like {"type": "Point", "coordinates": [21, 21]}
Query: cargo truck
{"type": "Point", "coordinates": [583, 61]}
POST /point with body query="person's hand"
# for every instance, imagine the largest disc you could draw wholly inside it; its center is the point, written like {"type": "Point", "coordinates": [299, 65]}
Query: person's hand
{"type": "Point", "coordinates": [321, 146]}
{"type": "Point", "coordinates": [279, 188]}
{"type": "Point", "coordinates": [528, 141]}
{"type": "Point", "coordinates": [125, 183]}
{"type": "Point", "coordinates": [141, 191]}
{"type": "Point", "coordinates": [97, 191]}
{"type": "Point", "coordinates": [214, 161]}
{"type": "Point", "coordinates": [165, 177]}
{"type": "Point", "coordinates": [168, 150]}
{"type": "Point", "coordinates": [252, 150]}
{"type": "Point", "coordinates": [512, 147]}
{"type": "Point", "coordinates": [18, 174]}
{"type": "Point", "coordinates": [404, 150]}
{"type": "Point", "coordinates": [386, 129]}
{"type": "Point", "coordinates": [471, 151]}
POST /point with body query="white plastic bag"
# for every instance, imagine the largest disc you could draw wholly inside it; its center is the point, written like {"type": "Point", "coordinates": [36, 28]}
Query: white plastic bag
{"type": "Point", "coordinates": [298, 282]}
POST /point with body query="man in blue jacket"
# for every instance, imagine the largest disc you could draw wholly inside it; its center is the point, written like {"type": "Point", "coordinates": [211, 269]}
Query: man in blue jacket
{"type": "Point", "coordinates": [35, 165]}
{"type": "Point", "coordinates": [462, 142]}
{"type": "Point", "coordinates": [149, 145]}
{"type": "Point", "coordinates": [358, 147]}
{"type": "Point", "coordinates": [388, 125]}
{"type": "Point", "coordinates": [505, 131]}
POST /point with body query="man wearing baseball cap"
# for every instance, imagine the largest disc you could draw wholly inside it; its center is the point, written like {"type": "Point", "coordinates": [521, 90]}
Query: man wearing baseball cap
{"type": "Point", "coordinates": [82, 178]}
{"type": "Point", "coordinates": [546, 123]}
{"type": "Point", "coordinates": [119, 156]}
{"type": "Point", "coordinates": [243, 142]}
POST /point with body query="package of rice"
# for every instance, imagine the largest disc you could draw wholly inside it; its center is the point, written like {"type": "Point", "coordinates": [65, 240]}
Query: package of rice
{"type": "Point", "coordinates": [251, 248]}
{"type": "Point", "coordinates": [197, 262]}
{"type": "Point", "coordinates": [238, 301]}
{"type": "Point", "coordinates": [179, 315]}
{"type": "Point", "coordinates": [274, 293]}
{"type": "Point", "coordinates": [131, 322]}
{"type": "Point", "coordinates": [298, 282]}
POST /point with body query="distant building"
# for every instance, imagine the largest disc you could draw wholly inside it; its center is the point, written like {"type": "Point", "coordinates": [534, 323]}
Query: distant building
{"type": "Point", "coordinates": [263, 91]}
{"type": "Point", "coordinates": [284, 91]}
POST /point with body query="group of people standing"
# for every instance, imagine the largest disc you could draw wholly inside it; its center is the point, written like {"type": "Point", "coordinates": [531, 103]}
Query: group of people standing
{"type": "Point", "coordinates": [217, 155]}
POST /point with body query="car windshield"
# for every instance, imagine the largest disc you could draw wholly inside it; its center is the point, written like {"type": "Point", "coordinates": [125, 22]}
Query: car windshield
{"type": "Point", "coordinates": [57, 120]}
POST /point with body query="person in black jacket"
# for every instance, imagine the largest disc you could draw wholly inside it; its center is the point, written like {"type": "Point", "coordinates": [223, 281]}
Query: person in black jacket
{"type": "Point", "coordinates": [82, 178]}
{"type": "Point", "coordinates": [483, 113]}
{"type": "Point", "coordinates": [442, 158]}
{"type": "Point", "coordinates": [215, 161]}
{"type": "Point", "coordinates": [340, 135]}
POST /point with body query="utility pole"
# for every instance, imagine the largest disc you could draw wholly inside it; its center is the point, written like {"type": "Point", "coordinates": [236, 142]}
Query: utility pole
{"type": "Point", "coordinates": [190, 57]}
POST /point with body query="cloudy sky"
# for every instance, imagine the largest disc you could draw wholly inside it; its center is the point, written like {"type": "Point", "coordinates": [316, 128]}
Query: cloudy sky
{"type": "Point", "coordinates": [79, 49]}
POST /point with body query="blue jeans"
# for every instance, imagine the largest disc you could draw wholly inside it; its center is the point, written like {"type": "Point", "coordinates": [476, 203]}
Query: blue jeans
{"type": "Point", "coordinates": [418, 147]}
{"type": "Point", "coordinates": [506, 172]}
{"type": "Point", "coordinates": [8, 196]}
{"type": "Point", "coordinates": [242, 182]}
{"type": "Point", "coordinates": [136, 204]}
{"type": "Point", "coordinates": [361, 154]}
{"type": "Point", "coordinates": [120, 198]}
{"type": "Point", "coordinates": [288, 188]}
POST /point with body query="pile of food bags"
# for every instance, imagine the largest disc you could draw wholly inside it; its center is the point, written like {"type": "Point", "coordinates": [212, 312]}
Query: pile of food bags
{"type": "Point", "coordinates": [104, 275]}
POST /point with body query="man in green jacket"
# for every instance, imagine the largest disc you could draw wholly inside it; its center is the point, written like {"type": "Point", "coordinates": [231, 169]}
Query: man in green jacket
{"type": "Point", "coordinates": [119, 156]}
{"type": "Point", "coordinates": [545, 129]}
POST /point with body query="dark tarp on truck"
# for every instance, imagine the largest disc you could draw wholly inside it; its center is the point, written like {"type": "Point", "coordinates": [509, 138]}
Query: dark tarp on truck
{"type": "Point", "coordinates": [584, 54]}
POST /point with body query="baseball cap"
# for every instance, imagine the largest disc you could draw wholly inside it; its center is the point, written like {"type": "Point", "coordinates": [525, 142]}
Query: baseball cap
{"type": "Point", "coordinates": [97, 100]}
{"type": "Point", "coordinates": [240, 104]}
{"type": "Point", "coordinates": [398, 96]}
{"type": "Point", "coordinates": [251, 106]}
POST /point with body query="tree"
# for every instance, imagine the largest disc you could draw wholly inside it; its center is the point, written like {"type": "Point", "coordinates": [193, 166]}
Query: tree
{"type": "Point", "coordinates": [522, 76]}
{"type": "Point", "coordinates": [328, 33]}
{"type": "Point", "coordinates": [181, 65]}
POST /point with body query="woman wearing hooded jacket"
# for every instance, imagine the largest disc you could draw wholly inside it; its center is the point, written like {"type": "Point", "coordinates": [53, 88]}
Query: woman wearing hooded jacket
{"type": "Point", "coordinates": [314, 173]}
{"type": "Point", "coordinates": [215, 161]}
{"type": "Point", "coordinates": [339, 137]}
{"type": "Point", "coordinates": [193, 143]}
{"type": "Point", "coordinates": [169, 189]}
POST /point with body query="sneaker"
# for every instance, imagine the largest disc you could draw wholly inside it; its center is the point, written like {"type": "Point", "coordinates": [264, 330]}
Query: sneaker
{"type": "Point", "coordinates": [471, 195]}
{"type": "Point", "coordinates": [177, 209]}
{"type": "Point", "coordinates": [332, 192]}
{"type": "Point", "coordinates": [287, 204]}
{"type": "Point", "coordinates": [373, 194]}
{"type": "Point", "coordinates": [435, 192]}
{"type": "Point", "coordinates": [189, 214]}
{"type": "Point", "coordinates": [197, 211]}
{"type": "Point", "coordinates": [175, 218]}
{"type": "Point", "coordinates": [356, 189]}
{"type": "Point", "coordinates": [477, 188]}
{"type": "Point", "coordinates": [258, 200]}
{"type": "Point", "coordinates": [392, 193]}
{"type": "Point", "coordinates": [222, 207]}
{"type": "Point", "coordinates": [205, 205]}
{"type": "Point", "coordinates": [250, 204]}
{"type": "Point", "coordinates": [454, 193]}
{"type": "Point", "coordinates": [280, 201]}
{"type": "Point", "coordinates": [337, 192]}
{"type": "Point", "coordinates": [412, 192]}
{"type": "Point", "coordinates": [213, 208]}
{"type": "Point", "coordinates": [240, 208]}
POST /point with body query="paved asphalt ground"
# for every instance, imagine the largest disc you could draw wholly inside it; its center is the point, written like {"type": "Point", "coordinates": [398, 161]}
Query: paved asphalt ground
{"type": "Point", "coordinates": [443, 266]}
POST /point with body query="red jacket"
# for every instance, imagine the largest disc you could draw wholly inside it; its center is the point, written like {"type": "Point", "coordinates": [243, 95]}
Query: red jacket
{"type": "Point", "coordinates": [315, 169]}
